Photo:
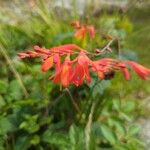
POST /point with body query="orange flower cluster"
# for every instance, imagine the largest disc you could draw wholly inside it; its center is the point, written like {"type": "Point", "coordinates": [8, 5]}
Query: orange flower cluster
{"type": "Point", "coordinates": [74, 71]}
{"type": "Point", "coordinates": [82, 30]}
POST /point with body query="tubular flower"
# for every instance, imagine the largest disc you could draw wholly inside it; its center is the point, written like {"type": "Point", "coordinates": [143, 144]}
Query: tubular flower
{"type": "Point", "coordinates": [28, 54]}
{"type": "Point", "coordinates": [58, 68]}
{"type": "Point", "coordinates": [81, 70]}
{"type": "Point", "coordinates": [48, 63]}
{"type": "Point", "coordinates": [126, 73]}
{"type": "Point", "coordinates": [66, 72]}
{"type": "Point", "coordinates": [75, 71]}
{"type": "Point", "coordinates": [107, 65]}
{"type": "Point", "coordinates": [103, 66]}
{"type": "Point", "coordinates": [63, 49]}
{"type": "Point", "coordinates": [63, 71]}
{"type": "Point", "coordinates": [141, 71]}
{"type": "Point", "coordinates": [82, 30]}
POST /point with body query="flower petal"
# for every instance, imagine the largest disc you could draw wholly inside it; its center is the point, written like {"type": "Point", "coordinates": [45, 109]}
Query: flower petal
{"type": "Point", "coordinates": [101, 75]}
{"type": "Point", "coordinates": [66, 70]}
{"type": "Point", "coordinates": [23, 55]}
{"type": "Point", "coordinates": [126, 73]}
{"type": "Point", "coordinates": [67, 48]}
{"type": "Point", "coordinates": [81, 33]}
{"type": "Point", "coordinates": [91, 31]}
{"type": "Point", "coordinates": [78, 75]}
{"type": "Point", "coordinates": [48, 63]}
{"type": "Point", "coordinates": [41, 50]}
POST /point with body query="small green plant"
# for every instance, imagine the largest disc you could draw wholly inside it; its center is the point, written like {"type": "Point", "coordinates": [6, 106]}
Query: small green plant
{"type": "Point", "coordinates": [36, 114]}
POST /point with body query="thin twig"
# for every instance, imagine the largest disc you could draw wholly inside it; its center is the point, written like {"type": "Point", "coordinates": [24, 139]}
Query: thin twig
{"type": "Point", "coordinates": [89, 102]}
{"type": "Point", "coordinates": [13, 69]}
{"type": "Point", "coordinates": [56, 101]}
{"type": "Point", "coordinates": [107, 46]}
{"type": "Point", "coordinates": [104, 49]}
{"type": "Point", "coordinates": [72, 100]}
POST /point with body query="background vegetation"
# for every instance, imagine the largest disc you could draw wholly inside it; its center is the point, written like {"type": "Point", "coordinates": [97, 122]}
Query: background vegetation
{"type": "Point", "coordinates": [36, 114]}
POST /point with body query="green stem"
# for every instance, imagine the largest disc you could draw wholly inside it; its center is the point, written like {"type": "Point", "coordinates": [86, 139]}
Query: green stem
{"type": "Point", "coordinates": [88, 126]}
{"type": "Point", "coordinates": [73, 101]}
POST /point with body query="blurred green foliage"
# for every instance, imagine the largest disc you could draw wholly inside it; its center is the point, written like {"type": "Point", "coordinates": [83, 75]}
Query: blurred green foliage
{"type": "Point", "coordinates": [35, 114]}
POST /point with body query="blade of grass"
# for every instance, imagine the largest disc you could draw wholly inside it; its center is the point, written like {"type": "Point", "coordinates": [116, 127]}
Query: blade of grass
{"type": "Point", "coordinates": [88, 126]}
{"type": "Point", "coordinates": [13, 69]}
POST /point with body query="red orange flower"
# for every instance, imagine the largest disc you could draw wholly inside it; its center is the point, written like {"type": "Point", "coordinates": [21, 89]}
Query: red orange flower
{"type": "Point", "coordinates": [141, 71]}
{"type": "Point", "coordinates": [77, 70]}
{"type": "Point", "coordinates": [81, 70]}
{"type": "Point", "coordinates": [63, 71]}
{"type": "Point", "coordinates": [105, 65]}
{"type": "Point", "coordinates": [83, 30]}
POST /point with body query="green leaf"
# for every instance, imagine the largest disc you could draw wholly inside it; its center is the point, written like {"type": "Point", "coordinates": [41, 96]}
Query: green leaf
{"type": "Point", "coordinates": [125, 116]}
{"type": "Point", "coordinates": [23, 125]}
{"type": "Point", "coordinates": [22, 143]}
{"type": "Point", "coordinates": [30, 124]}
{"type": "Point", "coordinates": [2, 141]}
{"type": "Point", "coordinates": [133, 130]}
{"type": "Point", "coordinates": [55, 138]}
{"type": "Point", "coordinates": [96, 129]}
{"type": "Point", "coordinates": [99, 87]}
{"type": "Point", "coordinates": [137, 141]}
{"type": "Point", "coordinates": [15, 90]}
{"type": "Point", "coordinates": [117, 104]}
{"type": "Point", "coordinates": [108, 134]}
{"type": "Point", "coordinates": [3, 87]}
{"type": "Point", "coordinates": [119, 126]}
{"type": "Point", "coordinates": [35, 140]}
{"type": "Point", "coordinates": [129, 106]}
{"type": "Point", "coordinates": [76, 136]}
{"type": "Point", "coordinates": [5, 126]}
{"type": "Point", "coordinates": [2, 102]}
{"type": "Point", "coordinates": [121, 147]}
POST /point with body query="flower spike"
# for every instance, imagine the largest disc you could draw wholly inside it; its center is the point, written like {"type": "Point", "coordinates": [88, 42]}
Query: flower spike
{"type": "Point", "coordinates": [75, 71]}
